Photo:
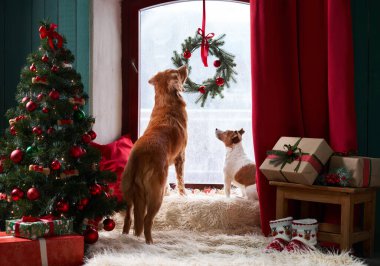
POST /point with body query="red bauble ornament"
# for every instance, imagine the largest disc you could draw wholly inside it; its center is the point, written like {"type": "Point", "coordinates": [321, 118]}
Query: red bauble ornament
{"type": "Point", "coordinates": [32, 68]}
{"type": "Point", "coordinates": [45, 58]}
{"type": "Point", "coordinates": [31, 106]}
{"type": "Point", "coordinates": [75, 107]}
{"type": "Point", "coordinates": [219, 81]}
{"type": "Point", "coordinates": [1, 167]}
{"type": "Point", "coordinates": [92, 134]}
{"type": "Point", "coordinates": [17, 194]}
{"type": "Point", "coordinates": [25, 99]}
{"type": "Point", "coordinates": [96, 189]}
{"type": "Point", "coordinates": [84, 201]}
{"type": "Point", "coordinates": [62, 206]}
{"type": "Point", "coordinates": [16, 156]}
{"type": "Point", "coordinates": [55, 165]}
{"type": "Point", "coordinates": [108, 224]}
{"type": "Point", "coordinates": [54, 69]}
{"type": "Point", "coordinates": [40, 97]}
{"type": "Point", "coordinates": [13, 131]}
{"type": "Point", "coordinates": [33, 194]}
{"type": "Point", "coordinates": [45, 110]}
{"type": "Point", "coordinates": [217, 63]}
{"type": "Point", "coordinates": [37, 130]}
{"type": "Point", "coordinates": [90, 236]}
{"type": "Point", "coordinates": [86, 138]}
{"type": "Point", "coordinates": [76, 151]}
{"type": "Point", "coordinates": [50, 130]}
{"type": "Point", "coordinates": [54, 95]}
{"type": "Point", "coordinates": [187, 54]}
{"type": "Point", "coordinates": [202, 90]}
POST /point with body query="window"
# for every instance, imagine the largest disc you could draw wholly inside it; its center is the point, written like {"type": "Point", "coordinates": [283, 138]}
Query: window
{"type": "Point", "coordinates": [161, 30]}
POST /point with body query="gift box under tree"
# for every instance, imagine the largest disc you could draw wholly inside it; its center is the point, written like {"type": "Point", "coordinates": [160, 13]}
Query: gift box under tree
{"type": "Point", "coordinates": [363, 171]}
{"type": "Point", "coordinates": [296, 160]}
{"type": "Point", "coordinates": [33, 228]}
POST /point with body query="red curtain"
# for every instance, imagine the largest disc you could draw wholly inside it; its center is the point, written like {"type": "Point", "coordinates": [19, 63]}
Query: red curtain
{"type": "Point", "coordinates": [302, 79]}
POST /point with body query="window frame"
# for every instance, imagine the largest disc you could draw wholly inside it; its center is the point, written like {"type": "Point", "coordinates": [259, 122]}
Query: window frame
{"type": "Point", "coordinates": [130, 60]}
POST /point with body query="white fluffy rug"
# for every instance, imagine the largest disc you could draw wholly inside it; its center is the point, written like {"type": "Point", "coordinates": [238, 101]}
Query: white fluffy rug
{"type": "Point", "coordinates": [202, 230]}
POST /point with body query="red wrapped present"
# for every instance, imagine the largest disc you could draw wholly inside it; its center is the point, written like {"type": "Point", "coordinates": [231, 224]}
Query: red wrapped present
{"type": "Point", "coordinates": [60, 250]}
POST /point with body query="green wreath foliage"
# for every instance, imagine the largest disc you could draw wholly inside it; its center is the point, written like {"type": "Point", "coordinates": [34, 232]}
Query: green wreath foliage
{"type": "Point", "coordinates": [224, 74]}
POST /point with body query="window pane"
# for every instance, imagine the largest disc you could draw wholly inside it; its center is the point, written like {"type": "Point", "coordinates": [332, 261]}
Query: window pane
{"type": "Point", "coordinates": [162, 30]}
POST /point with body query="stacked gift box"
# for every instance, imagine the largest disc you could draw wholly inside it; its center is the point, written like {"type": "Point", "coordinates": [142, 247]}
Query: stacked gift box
{"type": "Point", "coordinates": [311, 161]}
{"type": "Point", "coordinates": [40, 241]}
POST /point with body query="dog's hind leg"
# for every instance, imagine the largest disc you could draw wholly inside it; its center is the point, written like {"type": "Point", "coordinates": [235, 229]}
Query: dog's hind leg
{"type": "Point", "coordinates": [128, 217]}
{"type": "Point", "coordinates": [179, 168]}
{"type": "Point", "coordinates": [139, 205]}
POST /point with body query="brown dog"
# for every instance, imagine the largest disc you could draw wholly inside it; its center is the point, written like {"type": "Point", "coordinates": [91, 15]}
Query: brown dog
{"type": "Point", "coordinates": [163, 143]}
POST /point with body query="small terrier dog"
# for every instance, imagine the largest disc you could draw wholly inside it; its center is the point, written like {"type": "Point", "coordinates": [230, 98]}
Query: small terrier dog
{"type": "Point", "coordinates": [239, 170]}
{"type": "Point", "coordinates": [162, 144]}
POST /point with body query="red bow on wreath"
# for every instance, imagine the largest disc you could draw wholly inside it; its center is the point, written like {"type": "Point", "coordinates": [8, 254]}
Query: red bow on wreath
{"type": "Point", "coordinates": [205, 45]}
{"type": "Point", "coordinates": [51, 34]}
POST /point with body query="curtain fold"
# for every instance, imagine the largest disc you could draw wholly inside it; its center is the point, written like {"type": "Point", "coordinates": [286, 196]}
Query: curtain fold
{"type": "Point", "coordinates": [302, 79]}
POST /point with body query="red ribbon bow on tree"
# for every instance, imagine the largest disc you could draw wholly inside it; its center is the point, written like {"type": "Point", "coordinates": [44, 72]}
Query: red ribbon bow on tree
{"type": "Point", "coordinates": [205, 45]}
{"type": "Point", "coordinates": [51, 34]}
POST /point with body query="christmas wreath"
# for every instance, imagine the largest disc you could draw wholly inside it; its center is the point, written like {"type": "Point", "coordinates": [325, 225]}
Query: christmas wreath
{"type": "Point", "coordinates": [225, 67]}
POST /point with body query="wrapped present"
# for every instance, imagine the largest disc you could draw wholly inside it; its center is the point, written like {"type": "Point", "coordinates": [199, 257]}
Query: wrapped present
{"type": "Point", "coordinates": [39, 168]}
{"type": "Point", "coordinates": [365, 171]}
{"type": "Point", "coordinates": [60, 250]}
{"type": "Point", "coordinates": [33, 228]}
{"type": "Point", "coordinates": [296, 160]}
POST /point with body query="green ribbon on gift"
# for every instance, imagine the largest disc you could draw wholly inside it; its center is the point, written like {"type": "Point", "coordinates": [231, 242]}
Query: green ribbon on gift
{"type": "Point", "coordinates": [286, 156]}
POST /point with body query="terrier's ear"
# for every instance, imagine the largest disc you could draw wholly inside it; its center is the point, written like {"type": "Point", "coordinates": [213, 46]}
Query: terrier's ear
{"type": "Point", "coordinates": [152, 81]}
{"type": "Point", "coordinates": [183, 72]}
{"type": "Point", "coordinates": [236, 139]}
{"type": "Point", "coordinates": [241, 131]}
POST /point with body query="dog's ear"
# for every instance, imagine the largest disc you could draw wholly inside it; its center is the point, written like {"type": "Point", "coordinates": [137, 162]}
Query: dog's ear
{"type": "Point", "coordinates": [241, 131]}
{"type": "Point", "coordinates": [183, 73]}
{"type": "Point", "coordinates": [155, 79]}
{"type": "Point", "coordinates": [235, 139]}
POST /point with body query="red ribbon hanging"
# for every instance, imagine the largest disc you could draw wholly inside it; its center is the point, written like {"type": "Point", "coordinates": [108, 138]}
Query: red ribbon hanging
{"type": "Point", "coordinates": [205, 44]}
{"type": "Point", "coordinates": [51, 34]}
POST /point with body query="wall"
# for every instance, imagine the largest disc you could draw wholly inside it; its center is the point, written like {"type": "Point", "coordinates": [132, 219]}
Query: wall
{"type": "Point", "coordinates": [106, 69]}
{"type": "Point", "coordinates": [366, 29]}
{"type": "Point", "coordinates": [19, 23]}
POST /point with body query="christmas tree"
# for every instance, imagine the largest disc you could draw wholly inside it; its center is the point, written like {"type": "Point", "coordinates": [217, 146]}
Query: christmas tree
{"type": "Point", "coordinates": [47, 166]}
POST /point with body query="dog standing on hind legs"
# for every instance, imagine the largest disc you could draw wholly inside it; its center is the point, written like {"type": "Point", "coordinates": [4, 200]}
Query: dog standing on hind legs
{"type": "Point", "coordinates": [163, 143]}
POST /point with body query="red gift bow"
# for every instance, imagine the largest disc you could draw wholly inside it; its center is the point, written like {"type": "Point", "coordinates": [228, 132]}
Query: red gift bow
{"type": "Point", "coordinates": [205, 45]}
{"type": "Point", "coordinates": [40, 79]}
{"type": "Point", "coordinates": [49, 219]}
{"type": "Point", "coordinates": [51, 34]}
{"type": "Point", "coordinates": [37, 168]}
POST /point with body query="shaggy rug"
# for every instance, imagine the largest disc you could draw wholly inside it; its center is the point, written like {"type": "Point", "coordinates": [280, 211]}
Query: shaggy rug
{"type": "Point", "coordinates": [202, 230]}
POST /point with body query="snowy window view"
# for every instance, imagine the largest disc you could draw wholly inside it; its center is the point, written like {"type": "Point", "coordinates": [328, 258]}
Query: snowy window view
{"type": "Point", "coordinates": [162, 30]}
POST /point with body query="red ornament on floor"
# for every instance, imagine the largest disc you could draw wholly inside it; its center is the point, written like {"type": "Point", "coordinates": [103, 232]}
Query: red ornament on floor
{"type": "Point", "coordinates": [16, 156]}
{"type": "Point", "coordinates": [108, 224]}
{"type": "Point", "coordinates": [187, 54]}
{"type": "Point", "coordinates": [90, 236]}
{"type": "Point", "coordinates": [219, 81]}
{"type": "Point", "coordinates": [31, 106]}
{"type": "Point", "coordinates": [96, 189]}
{"type": "Point", "coordinates": [55, 165]}
{"type": "Point", "coordinates": [33, 194]}
{"type": "Point", "coordinates": [62, 206]}
{"type": "Point", "coordinates": [17, 194]}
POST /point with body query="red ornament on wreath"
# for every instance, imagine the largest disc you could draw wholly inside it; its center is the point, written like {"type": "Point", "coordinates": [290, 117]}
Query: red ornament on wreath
{"type": "Point", "coordinates": [108, 224]}
{"type": "Point", "coordinates": [187, 54]}
{"type": "Point", "coordinates": [17, 194]}
{"type": "Point", "coordinates": [62, 206]}
{"type": "Point", "coordinates": [217, 63]}
{"type": "Point", "coordinates": [16, 156]}
{"type": "Point", "coordinates": [54, 95]}
{"type": "Point", "coordinates": [95, 189]}
{"type": "Point", "coordinates": [55, 165]}
{"type": "Point", "coordinates": [219, 81]}
{"type": "Point", "coordinates": [33, 194]}
{"type": "Point", "coordinates": [31, 106]}
{"type": "Point", "coordinates": [202, 89]}
{"type": "Point", "coordinates": [90, 236]}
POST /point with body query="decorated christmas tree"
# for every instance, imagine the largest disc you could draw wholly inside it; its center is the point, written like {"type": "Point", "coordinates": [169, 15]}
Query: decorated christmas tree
{"type": "Point", "coordinates": [47, 166]}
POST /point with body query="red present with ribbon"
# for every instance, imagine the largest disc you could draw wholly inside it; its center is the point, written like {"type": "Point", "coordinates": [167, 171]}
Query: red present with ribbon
{"type": "Point", "coordinates": [365, 171]}
{"type": "Point", "coordinates": [39, 168]}
{"type": "Point", "coordinates": [38, 79]}
{"type": "Point", "coordinates": [35, 227]}
{"type": "Point", "coordinates": [61, 250]}
{"type": "Point", "coordinates": [296, 160]}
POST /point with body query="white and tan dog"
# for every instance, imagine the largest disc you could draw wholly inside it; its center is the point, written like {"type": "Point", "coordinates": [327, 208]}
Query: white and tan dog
{"type": "Point", "coordinates": [239, 170]}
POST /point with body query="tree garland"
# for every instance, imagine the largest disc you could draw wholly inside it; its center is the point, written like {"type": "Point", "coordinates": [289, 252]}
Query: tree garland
{"type": "Point", "coordinates": [225, 67]}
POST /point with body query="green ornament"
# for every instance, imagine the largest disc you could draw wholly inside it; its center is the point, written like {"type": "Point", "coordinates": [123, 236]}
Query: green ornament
{"type": "Point", "coordinates": [78, 115]}
{"type": "Point", "coordinates": [31, 149]}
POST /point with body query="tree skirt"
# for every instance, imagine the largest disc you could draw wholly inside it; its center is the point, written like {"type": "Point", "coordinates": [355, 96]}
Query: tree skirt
{"type": "Point", "coordinates": [202, 230]}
